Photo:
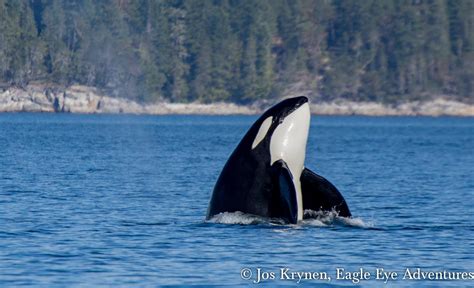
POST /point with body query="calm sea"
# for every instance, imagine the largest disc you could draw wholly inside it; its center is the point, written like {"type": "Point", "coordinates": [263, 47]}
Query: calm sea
{"type": "Point", "coordinates": [104, 200]}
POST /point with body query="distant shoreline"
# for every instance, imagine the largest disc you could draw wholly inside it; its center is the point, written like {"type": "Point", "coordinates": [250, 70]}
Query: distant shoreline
{"type": "Point", "coordinates": [87, 100]}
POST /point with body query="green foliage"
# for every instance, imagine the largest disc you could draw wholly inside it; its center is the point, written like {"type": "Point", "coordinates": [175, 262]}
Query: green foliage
{"type": "Point", "coordinates": [242, 50]}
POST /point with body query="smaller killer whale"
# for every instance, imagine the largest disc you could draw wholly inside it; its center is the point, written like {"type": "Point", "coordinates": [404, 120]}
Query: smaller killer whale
{"type": "Point", "coordinates": [265, 175]}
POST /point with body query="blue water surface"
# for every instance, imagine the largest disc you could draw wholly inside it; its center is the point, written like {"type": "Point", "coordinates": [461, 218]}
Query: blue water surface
{"type": "Point", "coordinates": [120, 200]}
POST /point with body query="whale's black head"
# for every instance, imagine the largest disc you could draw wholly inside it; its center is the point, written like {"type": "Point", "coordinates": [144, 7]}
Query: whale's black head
{"type": "Point", "coordinates": [284, 108]}
{"type": "Point", "coordinates": [273, 119]}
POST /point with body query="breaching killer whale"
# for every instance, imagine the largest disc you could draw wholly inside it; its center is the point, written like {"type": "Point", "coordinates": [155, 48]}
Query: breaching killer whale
{"type": "Point", "coordinates": [265, 175]}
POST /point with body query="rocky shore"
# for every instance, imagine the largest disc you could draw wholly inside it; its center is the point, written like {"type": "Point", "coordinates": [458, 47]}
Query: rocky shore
{"type": "Point", "coordinates": [437, 107]}
{"type": "Point", "coordinates": [82, 99]}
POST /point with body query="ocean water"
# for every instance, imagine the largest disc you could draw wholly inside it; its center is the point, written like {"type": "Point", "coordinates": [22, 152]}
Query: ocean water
{"type": "Point", "coordinates": [120, 200]}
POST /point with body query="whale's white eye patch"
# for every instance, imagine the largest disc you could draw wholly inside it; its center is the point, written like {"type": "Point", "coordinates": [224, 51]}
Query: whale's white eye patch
{"type": "Point", "coordinates": [262, 131]}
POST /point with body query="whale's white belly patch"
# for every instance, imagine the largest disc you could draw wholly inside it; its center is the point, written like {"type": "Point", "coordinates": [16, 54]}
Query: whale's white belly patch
{"type": "Point", "coordinates": [288, 143]}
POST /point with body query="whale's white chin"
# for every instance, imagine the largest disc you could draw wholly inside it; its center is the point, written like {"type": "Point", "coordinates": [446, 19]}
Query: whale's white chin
{"type": "Point", "coordinates": [288, 143]}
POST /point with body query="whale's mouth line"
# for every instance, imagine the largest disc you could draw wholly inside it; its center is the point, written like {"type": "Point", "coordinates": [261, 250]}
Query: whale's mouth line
{"type": "Point", "coordinates": [295, 107]}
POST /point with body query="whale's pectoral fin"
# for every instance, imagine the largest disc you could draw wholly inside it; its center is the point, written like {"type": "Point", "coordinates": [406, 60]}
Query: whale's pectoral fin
{"type": "Point", "coordinates": [320, 195]}
{"type": "Point", "coordinates": [284, 204]}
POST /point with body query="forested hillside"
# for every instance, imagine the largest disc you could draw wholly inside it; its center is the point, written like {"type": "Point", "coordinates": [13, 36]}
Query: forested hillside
{"type": "Point", "coordinates": [241, 50]}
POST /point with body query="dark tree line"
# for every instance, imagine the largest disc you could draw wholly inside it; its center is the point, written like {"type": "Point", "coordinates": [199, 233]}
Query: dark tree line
{"type": "Point", "coordinates": [242, 50]}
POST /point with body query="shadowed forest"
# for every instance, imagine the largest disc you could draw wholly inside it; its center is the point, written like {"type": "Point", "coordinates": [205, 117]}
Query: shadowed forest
{"type": "Point", "coordinates": [242, 51]}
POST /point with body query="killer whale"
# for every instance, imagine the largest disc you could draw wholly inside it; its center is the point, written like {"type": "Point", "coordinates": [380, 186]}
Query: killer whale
{"type": "Point", "coordinates": [265, 174]}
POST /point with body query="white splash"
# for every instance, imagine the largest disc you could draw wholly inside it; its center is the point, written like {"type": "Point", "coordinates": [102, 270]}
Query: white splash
{"type": "Point", "coordinates": [356, 222]}
{"type": "Point", "coordinates": [237, 218]}
{"type": "Point", "coordinates": [312, 218]}
{"type": "Point", "coordinates": [328, 218]}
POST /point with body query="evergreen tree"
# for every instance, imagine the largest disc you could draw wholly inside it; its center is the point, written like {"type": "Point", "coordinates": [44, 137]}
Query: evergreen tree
{"type": "Point", "coordinates": [242, 50]}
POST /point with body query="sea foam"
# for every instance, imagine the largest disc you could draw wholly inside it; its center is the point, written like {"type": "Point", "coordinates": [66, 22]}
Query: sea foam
{"type": "Point", "coordinates": [312, 218]}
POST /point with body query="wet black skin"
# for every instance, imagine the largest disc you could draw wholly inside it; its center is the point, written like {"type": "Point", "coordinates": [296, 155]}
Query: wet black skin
{"type": "Point", "coordinates": [248, 183]}
{"type": "Point", "coordinates": [320, 195]}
